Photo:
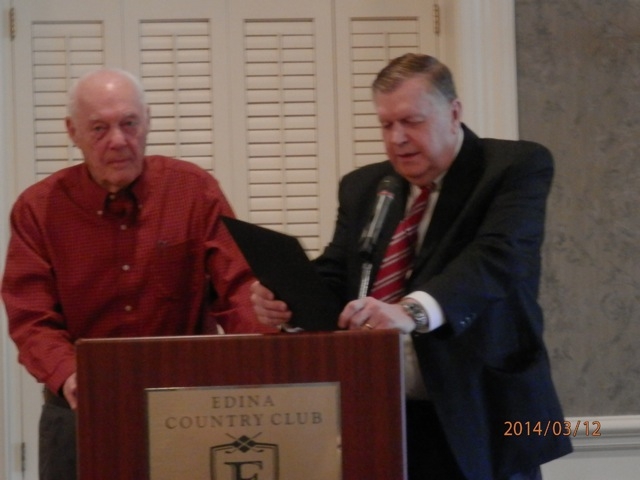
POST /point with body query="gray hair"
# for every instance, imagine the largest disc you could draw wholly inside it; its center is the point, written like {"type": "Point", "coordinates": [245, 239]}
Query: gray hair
{"type": "Point", "coordinates": [435, 73]}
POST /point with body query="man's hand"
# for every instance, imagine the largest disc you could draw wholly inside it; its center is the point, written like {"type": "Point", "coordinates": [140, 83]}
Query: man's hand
{"type": "Point", "coordinates": [270, 311]}
{"type": "Point", "coordinates": [370, 313]}
{"type": "Point", "coordinates": [70, 391]}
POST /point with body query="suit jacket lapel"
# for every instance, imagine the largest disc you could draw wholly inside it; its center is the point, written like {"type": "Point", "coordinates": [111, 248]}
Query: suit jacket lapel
{"type": "Point", "coordinates": [458, 183]}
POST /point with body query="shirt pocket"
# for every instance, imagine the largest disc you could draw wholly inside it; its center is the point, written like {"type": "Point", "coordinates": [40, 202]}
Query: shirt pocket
{"type": "Point", "coordinates": [174, 269]}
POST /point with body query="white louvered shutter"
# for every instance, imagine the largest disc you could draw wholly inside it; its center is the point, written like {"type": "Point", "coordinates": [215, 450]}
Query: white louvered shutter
{"type": "Point", "coordinates": [284, 128]}
{"type": "Point", "coordinates": [281, 113]}
{"type": "Point", "coordinates": [175, 68]}
{"type": "Point", "coordinates": [61, 53]}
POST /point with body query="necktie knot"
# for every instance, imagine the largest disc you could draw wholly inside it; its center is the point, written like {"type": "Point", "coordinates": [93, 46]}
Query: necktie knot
{"type": "Point", "coordinates": [420, 203]}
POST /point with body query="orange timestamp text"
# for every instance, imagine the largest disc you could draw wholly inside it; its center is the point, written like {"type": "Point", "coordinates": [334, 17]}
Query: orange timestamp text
{"type": "Point", "coordinates": [556, 428]}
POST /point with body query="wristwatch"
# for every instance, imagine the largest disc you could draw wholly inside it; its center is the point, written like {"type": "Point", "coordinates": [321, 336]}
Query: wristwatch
{"type": "Point", "coordinates": [418, 314]}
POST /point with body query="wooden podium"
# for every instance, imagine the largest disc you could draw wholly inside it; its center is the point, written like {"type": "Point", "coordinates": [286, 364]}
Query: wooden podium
{"type": "Point", "coordinates": [114, 375]}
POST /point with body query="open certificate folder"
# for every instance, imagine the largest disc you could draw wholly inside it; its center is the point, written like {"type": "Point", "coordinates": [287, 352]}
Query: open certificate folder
{"type": "Point", "coordinates": [279, 262]}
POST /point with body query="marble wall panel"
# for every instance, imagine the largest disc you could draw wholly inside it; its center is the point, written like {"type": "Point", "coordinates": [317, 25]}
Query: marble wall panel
{"type": "Point", "coordinates": [579, 94]}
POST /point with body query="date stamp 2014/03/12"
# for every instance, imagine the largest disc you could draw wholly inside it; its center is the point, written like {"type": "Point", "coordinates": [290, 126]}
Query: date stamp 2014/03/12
{"type": "Point", "coordinates": [558, 428]}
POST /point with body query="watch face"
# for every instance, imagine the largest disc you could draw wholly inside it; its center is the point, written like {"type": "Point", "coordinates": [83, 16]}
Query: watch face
{"type": "Point", "coordinates": [418, 315]}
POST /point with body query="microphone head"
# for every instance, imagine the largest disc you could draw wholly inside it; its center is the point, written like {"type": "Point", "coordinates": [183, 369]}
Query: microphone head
{"type": "Point", "coordinates": [388, 188]}
{"type": "Point", "coordinates": [390, 185]}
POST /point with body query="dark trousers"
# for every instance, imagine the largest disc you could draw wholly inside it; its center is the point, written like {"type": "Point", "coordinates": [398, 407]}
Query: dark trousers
{"type": "Point", "coordinates": [428, 454]}
{"type": "Point", "coordinates": [57, 458]}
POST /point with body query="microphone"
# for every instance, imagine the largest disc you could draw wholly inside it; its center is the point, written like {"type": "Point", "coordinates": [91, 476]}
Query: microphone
{"type": "Point", "coordinates": [388, 188]}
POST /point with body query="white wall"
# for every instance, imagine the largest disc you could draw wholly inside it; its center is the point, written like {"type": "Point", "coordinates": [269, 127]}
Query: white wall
{"type": "Point", "coordinates": [612, 452]}
{"type": "Point", "coordinates": [7, 425]}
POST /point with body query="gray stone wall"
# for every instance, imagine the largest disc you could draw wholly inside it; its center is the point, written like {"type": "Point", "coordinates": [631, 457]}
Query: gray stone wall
{"type": "Point", "coordinates": [579, 94]}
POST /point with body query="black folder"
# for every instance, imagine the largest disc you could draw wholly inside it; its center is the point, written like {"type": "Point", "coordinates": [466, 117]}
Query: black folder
{"type": "Point", "coordinates": [280, 263]}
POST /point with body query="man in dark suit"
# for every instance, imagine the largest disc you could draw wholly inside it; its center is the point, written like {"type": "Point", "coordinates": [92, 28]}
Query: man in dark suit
{"type": "Point", "coordinates": [475, 359]}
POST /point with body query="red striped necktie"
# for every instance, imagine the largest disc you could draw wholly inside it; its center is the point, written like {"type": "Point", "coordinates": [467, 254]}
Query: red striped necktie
{"type": "Point", "coordinates": [390, 281]}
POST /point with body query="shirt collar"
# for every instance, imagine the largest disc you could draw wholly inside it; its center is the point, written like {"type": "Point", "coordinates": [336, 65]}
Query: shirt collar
{"type": "Point", "coordinates": [89, 195]}
{"type": "Point", "coordinates": [437, 185]}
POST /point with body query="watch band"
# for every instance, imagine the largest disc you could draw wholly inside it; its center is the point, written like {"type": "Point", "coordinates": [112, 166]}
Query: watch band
{"type": "Point", "coordinates": [417, 313]}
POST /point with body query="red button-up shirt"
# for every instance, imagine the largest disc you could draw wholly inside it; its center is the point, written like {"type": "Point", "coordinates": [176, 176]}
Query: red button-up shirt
{"type": "Point", "coordinates": [74, 271]}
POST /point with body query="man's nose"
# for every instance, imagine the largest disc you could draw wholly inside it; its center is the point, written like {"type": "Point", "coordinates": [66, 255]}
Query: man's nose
{"type": "Point", "coordinates": [398, 135]}
{"type": "Point", "coordinates": [116, 137]}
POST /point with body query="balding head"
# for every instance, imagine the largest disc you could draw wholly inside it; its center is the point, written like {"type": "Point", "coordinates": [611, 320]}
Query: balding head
{"type": "Point", "coordinates": [105, 77]}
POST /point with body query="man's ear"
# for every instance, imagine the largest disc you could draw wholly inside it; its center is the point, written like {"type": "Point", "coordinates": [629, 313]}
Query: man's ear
{"type": "Point", "coordinates": [456, 113]}
{"type": "Point", "coordinates": [71, 129]}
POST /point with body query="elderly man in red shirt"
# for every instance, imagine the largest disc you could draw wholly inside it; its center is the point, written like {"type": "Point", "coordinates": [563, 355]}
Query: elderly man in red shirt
{"type": "Point", "coordinates": [121, 245]}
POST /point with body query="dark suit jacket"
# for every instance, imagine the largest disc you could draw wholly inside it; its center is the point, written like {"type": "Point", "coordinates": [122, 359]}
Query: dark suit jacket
{"type": "Point", "coordinates": [481, 261]}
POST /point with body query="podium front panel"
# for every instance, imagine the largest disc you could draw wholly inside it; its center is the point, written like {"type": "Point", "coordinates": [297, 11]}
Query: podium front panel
{"type": "Point", "coordinates": [115, 377]}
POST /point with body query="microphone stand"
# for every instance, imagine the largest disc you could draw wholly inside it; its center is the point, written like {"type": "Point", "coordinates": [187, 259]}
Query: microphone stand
{"type": "Point", "coordinates": [365, 278]}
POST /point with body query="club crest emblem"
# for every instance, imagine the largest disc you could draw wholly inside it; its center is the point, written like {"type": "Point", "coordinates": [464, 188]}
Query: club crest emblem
{"type": "Point", "coordinates": [245, 459]}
